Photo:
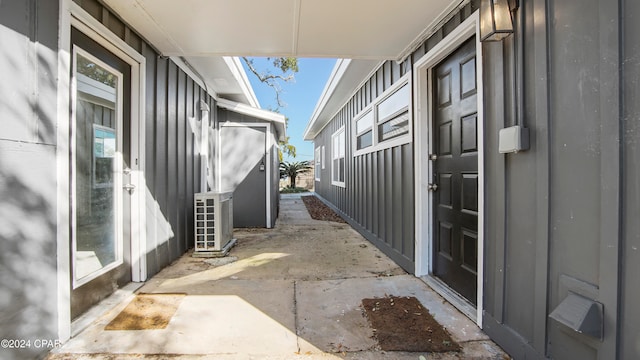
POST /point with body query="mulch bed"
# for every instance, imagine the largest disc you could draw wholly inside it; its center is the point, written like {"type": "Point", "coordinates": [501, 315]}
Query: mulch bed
{"type": "Point", "coordinates": [319, 211]}
{"type": "Point", "coordinates": [403, 324]}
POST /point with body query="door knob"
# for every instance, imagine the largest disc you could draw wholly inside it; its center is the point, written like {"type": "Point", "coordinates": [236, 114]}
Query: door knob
{"type": "Point", "coordinates": [432, 187]}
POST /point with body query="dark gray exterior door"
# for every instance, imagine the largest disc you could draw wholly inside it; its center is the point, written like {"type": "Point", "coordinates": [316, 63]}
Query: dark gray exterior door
{"type": "Point", "coordinates": [101, 148]}
{"type": "Point", "coordinates": [455, 171]}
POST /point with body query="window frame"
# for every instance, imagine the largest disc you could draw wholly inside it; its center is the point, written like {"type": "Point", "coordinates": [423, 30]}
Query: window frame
{"type": "Point", "coordinates": [336, 135]}
{"type": "Point", "coordinates": [316, 163]}
{"type": "Point", "coordinates": [376, 143]}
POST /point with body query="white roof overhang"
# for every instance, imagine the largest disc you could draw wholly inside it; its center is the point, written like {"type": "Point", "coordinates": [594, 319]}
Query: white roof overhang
{"type": "Point", "coordinates": [207, 34]}
{"type": "Point", "coordinates": [277, 120]}
{"type": "Point", "coordinates": [347, 76]}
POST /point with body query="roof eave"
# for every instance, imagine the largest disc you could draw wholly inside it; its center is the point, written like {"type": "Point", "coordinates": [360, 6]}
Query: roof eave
{"type": "Point", "coordinates": [278, 120]}
{"type": "Point", "coordinates": [347, 77]}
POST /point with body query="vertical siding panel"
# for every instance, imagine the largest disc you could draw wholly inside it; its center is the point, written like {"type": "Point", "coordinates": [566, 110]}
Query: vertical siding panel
{"type": "Point", "coordinates": [396, 167]}
{"type": "Point", "coordinates": [172, 155]}
{"type": "Point", "coordinates": [362, 179]}
{"type": "Point", "coordinates": [379, 81]}
{"type": "Point", "coordinates": [150, 156]}
{"type": "Point", "coordinates": [182, 163]}
{"type": "Point", "coordinates": [363, 191]}
{"type": "Point", "coordinates": [370, 191]}
{"type": "Point", "coordinates": [367, 92]}
{"type": "Point", "coordinates": [357, 190]}
{"type": "Point", "coordinates": [388, 191]}
{"type": "Point", "coordinates": [382, 226]}
{"type": "Point", "coordinates": [388, 76]}
{"type": "Point", "coordinates": [408, 202]}
{"type": "Point", "coordinates": [197, 167]}
{"type": "Point", "coordinates": [189, 177]}
{"type": "Point", "coordinates": [434, 39]}
{"type": "Point", "coordinates": [395, 71]}
{"type": "Point", "coordinates": [451, 24]}
{"type": "Point", "coordinates": [161, 159]}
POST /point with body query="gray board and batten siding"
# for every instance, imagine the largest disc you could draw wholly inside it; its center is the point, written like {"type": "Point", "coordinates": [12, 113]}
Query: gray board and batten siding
{"type": "Point", "coordinates": [379, 195]}
{"type": "Point", "coordinates": [561, 217]}
{"type": "Point", "coordinates": [172, 163]}
{"type": "Point", "coordinates": [28, 167]}
{"type": "Point", "coordinates": [377, 198]}
{"type": "Point", "coordinates": [28, 186]}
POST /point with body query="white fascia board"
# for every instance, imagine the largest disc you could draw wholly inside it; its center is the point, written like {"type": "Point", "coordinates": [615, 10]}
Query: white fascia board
{"type": "Point", "coordinates": [347, 78]}
{"type": "Point", "coordinates": [444, 16]}
{"type": "Point", "coordinates": [334, 79]}
{"type": "Point", "coordinates": [278, 120]}
{"type": "Point", "coordinates": [237, 70]}
{"type": "Point", "coordinates": [134, 13]}
{"type": "Point", "coordinates": [191, 72]}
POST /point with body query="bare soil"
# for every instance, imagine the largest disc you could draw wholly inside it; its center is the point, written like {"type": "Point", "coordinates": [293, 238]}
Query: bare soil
{"type": "Point", "coordinates": [319, 211]}
{"type": "Point", "coordinates": [403, 324]}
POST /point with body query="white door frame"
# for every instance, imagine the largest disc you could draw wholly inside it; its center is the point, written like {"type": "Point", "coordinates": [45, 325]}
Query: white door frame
{"type": "Point", "coordinates": [423, 139]}
{"type": "Point", "coordinates": [70, 15]}
{"type": "Point", "coordinates": [269, 142]}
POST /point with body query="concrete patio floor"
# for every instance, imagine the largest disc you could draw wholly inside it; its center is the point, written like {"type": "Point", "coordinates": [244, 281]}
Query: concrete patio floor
{"type": "Point", "coordinates": [294, 292]}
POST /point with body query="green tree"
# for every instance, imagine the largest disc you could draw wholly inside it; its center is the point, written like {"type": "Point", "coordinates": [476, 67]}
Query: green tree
{"type": "Point", "coordinates": [293, 169]}
{"type": "Point", "coordinates": [288, 67]}
{"type": "Point", "coordinates": [286, 148]}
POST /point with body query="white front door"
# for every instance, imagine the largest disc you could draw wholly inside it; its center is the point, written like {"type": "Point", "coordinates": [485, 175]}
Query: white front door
{"type": "Point", "coordinates": [100, 172]}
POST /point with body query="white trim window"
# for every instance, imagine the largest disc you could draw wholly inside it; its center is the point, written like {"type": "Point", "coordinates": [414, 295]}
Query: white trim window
{"type": "Point", "coordinates": [338, 147]}
{"type": "Point", "coordinates": [324, 157]}
{"type": "Point", "coordinates": [386, 122]}
{"type": "Point", "coordinates": [317, 163]}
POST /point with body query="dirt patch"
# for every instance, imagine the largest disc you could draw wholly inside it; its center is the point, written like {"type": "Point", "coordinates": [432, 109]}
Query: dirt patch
{"type": "Point", "coordinates": [147, 312]}
{"type": "Point", "coordinates": [319, 211]}
{"type": "Point", "coordinates": [403, 324]}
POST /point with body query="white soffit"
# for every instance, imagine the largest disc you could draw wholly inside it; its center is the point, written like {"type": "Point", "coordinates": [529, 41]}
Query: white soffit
{"type": "Point", "coordinates": [357, 29]}
{"type": "Point", "coordinates": [203, 31]}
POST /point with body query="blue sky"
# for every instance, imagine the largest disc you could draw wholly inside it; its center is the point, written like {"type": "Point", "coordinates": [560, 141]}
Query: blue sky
{"type": "Point", "coordinates": [300, 97]}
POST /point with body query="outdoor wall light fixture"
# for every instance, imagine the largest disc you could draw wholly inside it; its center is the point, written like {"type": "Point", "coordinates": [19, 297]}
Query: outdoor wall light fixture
{"type": "Point", "coordinates": [495, 19]}
{"type": "Point", "coordinates": [262, 165]}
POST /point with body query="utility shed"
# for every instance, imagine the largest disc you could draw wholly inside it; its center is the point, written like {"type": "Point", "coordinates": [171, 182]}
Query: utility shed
{"type": "Point", "coordinates": [249, 162]}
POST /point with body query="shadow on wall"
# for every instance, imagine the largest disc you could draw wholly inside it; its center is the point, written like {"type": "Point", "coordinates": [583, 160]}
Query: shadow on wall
{"type": "Point", "coordinates": [241, 149]}
{"type": "Point", "coordinates": [28, 267]}
{"type": "Point", "coordinates": [30, 102]}
{"type": "Point", "coordinates": [28, 188]}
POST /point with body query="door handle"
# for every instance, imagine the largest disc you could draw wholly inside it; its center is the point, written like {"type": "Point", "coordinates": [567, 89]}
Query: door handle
{"type": "Point", "coordinates": [129, 187]}
{"type": "Point", "coordinates": [432, 187]}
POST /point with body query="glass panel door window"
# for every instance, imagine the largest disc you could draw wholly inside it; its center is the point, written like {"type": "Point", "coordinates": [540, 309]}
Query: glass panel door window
{"type": "Point", "coordinates": [97, 167]}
